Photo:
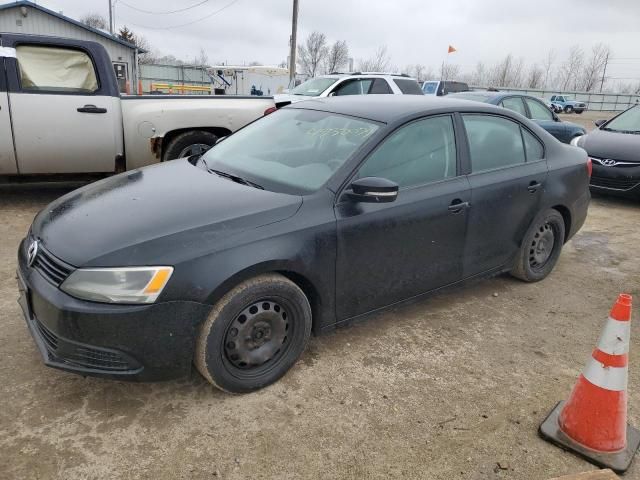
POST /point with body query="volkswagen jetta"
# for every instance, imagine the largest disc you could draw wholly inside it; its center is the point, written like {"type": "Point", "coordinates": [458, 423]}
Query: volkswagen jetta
{"type": "Point", "coordinates": [302, 221]}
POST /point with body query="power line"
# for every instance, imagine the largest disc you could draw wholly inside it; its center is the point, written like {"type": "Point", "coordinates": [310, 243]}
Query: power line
{"type": "Point", "coordinates": [163, 13]}
{"type": "Point", "coordinates": [185, 24]}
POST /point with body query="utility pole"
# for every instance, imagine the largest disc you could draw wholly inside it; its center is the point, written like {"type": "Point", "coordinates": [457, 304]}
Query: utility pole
{"type": "Point", "coordinates": [110, 17]}
{"type": "Point", "coordinates": [292, 55]}
{"type": "Point", "coordinates": [604, 71]}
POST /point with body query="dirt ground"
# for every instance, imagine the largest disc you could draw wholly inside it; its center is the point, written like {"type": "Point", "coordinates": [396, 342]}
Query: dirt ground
{"type": "Point", "coordinates": [452, 387]}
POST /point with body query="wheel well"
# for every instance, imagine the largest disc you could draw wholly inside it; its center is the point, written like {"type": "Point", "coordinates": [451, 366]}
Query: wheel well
{"type": "Point", "coordinates": [566, 216]}
{"type": "Point", "coordinates": [169, 136]}
{"type": "Point", "coordinates": [310, 291]}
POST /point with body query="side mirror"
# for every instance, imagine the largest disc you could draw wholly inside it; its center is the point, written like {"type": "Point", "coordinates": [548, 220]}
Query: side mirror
{"type": "Point", "coordinates": [373, 190]}
{"type": "Point", "coordinates": [600, 122]}
{"type": "Point", "coordinates": [332, 94]}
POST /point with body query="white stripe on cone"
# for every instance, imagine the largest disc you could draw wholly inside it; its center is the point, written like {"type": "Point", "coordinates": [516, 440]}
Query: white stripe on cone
{"type": "Point", "coordinates": [609, 378]}
{"type": "Point", "coordinates": [615, 337]}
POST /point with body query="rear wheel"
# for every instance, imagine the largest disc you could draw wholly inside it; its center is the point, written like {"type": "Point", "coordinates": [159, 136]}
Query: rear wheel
{"type": "Point", "coordinates": [254, 334]}
{"type": "Point", "coordinates": [579, 111]}
{"type": "Point", "coordinates": [568, 109]}
{"type": "Point", "coordinates": [540, 247]}
{"type": "Point", "coordinates": [195, 142]}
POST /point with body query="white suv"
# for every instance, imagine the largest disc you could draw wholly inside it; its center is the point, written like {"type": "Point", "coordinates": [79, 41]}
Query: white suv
{"type": "Point", "coordinates": [360, 83]}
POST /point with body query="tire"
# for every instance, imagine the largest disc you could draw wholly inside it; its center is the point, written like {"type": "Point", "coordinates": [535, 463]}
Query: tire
{"type": "Point", "coordinates": [579, 111]}
{"type": "Point", "coordinates": [254, 334]}
{"type": "Point", "coordinates": [568, 109]}
{"type": "Point", "coordinates": [536, 259]}
{"type": "Point", "coordinates": [189, 143]}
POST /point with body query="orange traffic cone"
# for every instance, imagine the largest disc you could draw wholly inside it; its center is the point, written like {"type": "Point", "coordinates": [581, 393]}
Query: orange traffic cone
{"type": "Point", "coordinates": [593, 421]}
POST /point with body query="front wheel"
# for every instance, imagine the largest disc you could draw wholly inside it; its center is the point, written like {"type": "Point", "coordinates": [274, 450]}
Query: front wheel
{"type": "Point", "coordinates": [254, 334]}
{"type": "Point", "coordinates": [540, 247]}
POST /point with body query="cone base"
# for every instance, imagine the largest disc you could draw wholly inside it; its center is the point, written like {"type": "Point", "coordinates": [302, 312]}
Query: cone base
{"type": "Point", "coordinates": [619, 462]}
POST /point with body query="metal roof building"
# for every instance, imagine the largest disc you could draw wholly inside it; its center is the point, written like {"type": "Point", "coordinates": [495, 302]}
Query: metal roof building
{"type": "Point", "coordinates": [29, 18]}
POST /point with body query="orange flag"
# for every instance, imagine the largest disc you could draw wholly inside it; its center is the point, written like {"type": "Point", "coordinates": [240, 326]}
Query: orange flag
{"type": "Point", "coordinates": [451, 49]}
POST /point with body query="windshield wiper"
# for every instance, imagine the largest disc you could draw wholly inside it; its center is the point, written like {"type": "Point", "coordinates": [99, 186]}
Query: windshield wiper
{"type": "Point", "coordinates": [235, 178]}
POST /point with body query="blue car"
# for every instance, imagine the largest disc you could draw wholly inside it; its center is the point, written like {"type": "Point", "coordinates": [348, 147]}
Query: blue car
{"type": "Point", "coordinates": [529, 107]}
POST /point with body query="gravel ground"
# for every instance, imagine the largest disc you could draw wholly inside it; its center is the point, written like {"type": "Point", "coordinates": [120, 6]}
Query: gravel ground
{"type": "Point", "coordinates": [452, 387]}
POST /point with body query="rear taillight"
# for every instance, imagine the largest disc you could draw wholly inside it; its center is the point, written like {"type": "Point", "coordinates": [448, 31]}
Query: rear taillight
{"type": "Point", "coordinates": [270, 110]}
{"type": "Point", "coordinates": [589, 166]}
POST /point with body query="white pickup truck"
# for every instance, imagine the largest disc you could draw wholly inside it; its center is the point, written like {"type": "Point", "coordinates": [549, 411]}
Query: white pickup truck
{"type": "Point", "coordinates": [61, 113]}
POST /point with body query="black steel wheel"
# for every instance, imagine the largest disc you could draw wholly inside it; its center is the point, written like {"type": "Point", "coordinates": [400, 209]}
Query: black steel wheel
{"type": "Point", "coordinates": [193, 142]}
{"type": "Point", "coordinates": [254, 334]}
{"type": "Point", "coordinates": [540, 248]}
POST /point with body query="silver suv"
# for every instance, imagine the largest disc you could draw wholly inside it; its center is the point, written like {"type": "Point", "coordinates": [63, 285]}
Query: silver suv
{"type": "Point", "coordinates": [359, 83]}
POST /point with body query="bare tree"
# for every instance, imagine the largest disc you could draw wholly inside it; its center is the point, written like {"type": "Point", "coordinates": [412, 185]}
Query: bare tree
{"type": "Point", "coordinates": [449, 71]}
{"type": "Point", "coordinates": [202, 59]}
{"type": "Point", "coordinates": [535, 76]}
{"type": "Point", "coordinates": [419, 72]}
{"type": "Point", "coordinates": [479, 76]}
{"type": "Point", "coordinates": [338, 56]}
{"type": "Point", "coordinates": [146, 56]}
{"type": "Point", "coordinates": [570, 69]}
{"type": "Point", "coordinates": [593, 68]}
{"type": "Point", "coordinates": [95, 20]}
{"type": "Point", "coordinates": [312, 53]}
{"type": "Point", "coordinates": [547, 66]}
{"type": "Point", "coordinates": [380, 62]}
{"type": "Point", "coordinates": [501, 73]}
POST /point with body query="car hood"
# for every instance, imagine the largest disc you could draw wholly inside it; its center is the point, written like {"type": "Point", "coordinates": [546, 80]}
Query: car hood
{"type": "Point", "coordinates": [288, 98]}
{"type": "Point", "coordinates": [618, 146]}
{"type": "Point", "coordinates": [155, 215]}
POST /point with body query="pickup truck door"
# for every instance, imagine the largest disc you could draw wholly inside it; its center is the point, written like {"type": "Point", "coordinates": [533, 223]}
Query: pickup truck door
{"type": "Point", "coordinates": [7, 155]}
{"type": "Point", "coordinates": [66, 117]}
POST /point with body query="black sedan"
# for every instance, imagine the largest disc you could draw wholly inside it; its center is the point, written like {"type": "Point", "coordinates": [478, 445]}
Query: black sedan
{"type": "Point", "coordinates": [530, 107]}
{"type": "Point", "coordinates": [302, 221]}
{"type": "Point", "coordinates": [614, 148]}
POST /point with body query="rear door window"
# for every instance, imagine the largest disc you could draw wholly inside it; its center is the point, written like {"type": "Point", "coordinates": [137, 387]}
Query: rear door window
{"type": "Point", "coordinates": [359, 86]}
{"type": "Point", "coordinates": [538, 110]}
{"type": "Point", "coordinates": [408, 86]}
{"type": "Point", "coordinates": [55, 69]}
{"type": "Point", "coordinates": [380, 86]}
{"type": "Point", "coordinates": [515, 104]}
{"type": "Point", "coordinates": [494, 142]}
{"type": "Point", "coordinates": [532, 146]}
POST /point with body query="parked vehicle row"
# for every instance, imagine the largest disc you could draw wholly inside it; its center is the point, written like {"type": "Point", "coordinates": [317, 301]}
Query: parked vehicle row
{"type": "Point", "coordinates": [61, 112]}
{"type": "Point", "coordinates": [304, 220]}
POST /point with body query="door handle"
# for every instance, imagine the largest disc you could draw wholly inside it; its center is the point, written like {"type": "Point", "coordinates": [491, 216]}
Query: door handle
{"type": "Point", "coordinates": [91, 109]}
{"type": "Point", "coordinates": [534, 186]}
{"type": "Point", "coordinates": [458, 205]}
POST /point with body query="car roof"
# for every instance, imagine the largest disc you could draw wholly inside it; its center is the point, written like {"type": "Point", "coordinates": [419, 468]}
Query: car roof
{"type": "Point", "coordinates": [487, 96]}
{"type": "Point", "coordinates": [384, 108]}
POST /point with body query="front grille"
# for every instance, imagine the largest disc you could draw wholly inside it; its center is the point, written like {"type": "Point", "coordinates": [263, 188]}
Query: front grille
{"type": "Point", "coordinates": [613, 183]}
{"type": "Point", "coordinates": [83, 356]}
{"type": "Point", "coordinates": [51, 268]}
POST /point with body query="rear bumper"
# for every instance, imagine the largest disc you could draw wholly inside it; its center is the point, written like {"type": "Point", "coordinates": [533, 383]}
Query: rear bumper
{"type": "Point", "coordinates": [149, 342]}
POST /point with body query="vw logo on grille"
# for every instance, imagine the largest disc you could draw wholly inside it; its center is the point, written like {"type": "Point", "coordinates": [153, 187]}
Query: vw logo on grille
{"type": "Point", "coordinates": [609, 162]}
{"type": "Point", "coordinates": [32, 253]}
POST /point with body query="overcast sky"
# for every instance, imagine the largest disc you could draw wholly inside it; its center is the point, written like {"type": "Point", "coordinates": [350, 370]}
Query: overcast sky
{"type": "Point", "coordinates": [415, 31]}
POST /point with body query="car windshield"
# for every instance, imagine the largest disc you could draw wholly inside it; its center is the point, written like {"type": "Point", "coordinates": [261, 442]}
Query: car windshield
{"type": "Point", "coordinates": [429, 87]}
{"type": "Point", "coordinates": [314, 87]}
{"type": "Point", "coordinates": [290, 151]}
{"type": "Point", "coordinates": [628, 122]}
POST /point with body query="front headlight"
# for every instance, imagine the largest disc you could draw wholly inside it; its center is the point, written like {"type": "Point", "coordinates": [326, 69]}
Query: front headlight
{"type": "Point", "coordinates": [575, 140]}
{"type": "Point", "coordinates": [118, 285]}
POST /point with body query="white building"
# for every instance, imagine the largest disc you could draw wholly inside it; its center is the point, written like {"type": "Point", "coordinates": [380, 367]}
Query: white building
{"type": "Point", "coordinates": [29, 18]}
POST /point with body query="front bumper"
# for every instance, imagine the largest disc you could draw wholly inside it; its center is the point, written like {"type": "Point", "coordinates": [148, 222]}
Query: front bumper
{"type": "Point", "coordinates": [127, 342]}
{"type": "Point", "coordinates": [619, 181]}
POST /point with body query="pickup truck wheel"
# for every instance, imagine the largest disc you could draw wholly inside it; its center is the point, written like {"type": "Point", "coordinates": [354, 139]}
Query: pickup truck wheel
{"type": "Point", "coordinates": [254, 334]}
{"type": "Point", "coordinates": [579, 111]}
{"type": "Point", "coordinates": [195, 142]}
{"type": "Point", "coordinates": [540, 247]}
{"type": "Point", "coordinates": [568, 109]}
